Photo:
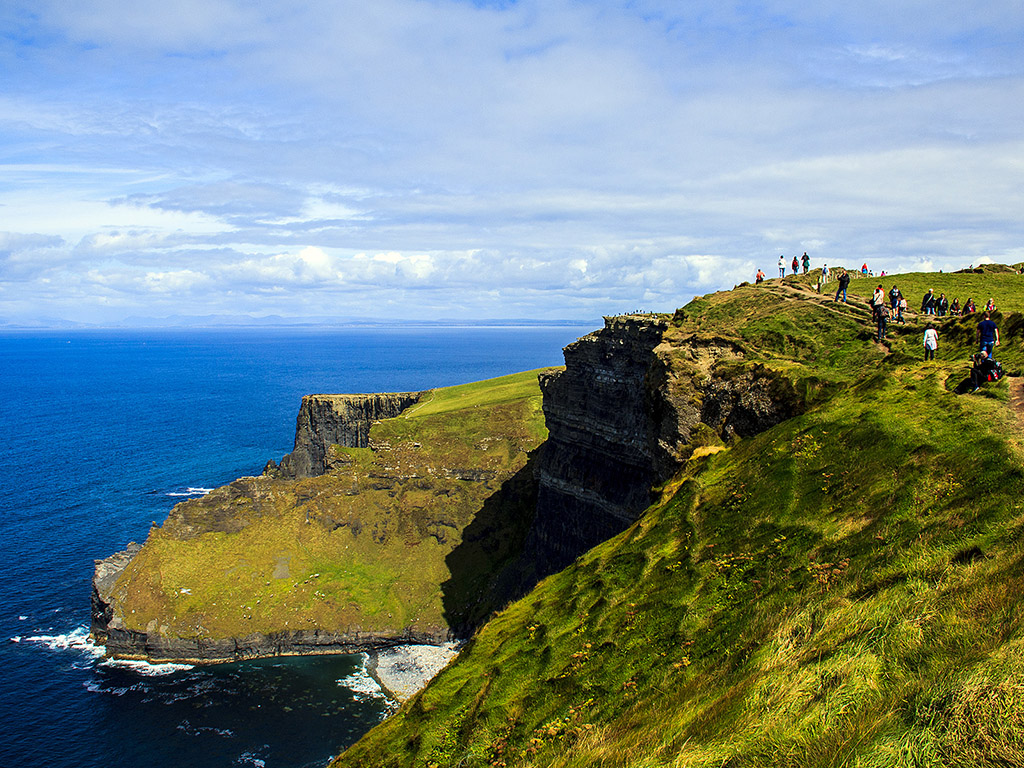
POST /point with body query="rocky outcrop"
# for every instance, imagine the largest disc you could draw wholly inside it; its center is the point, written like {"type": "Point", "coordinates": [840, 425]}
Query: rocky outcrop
{"type": "Point", "coordinates": [103, 579]}
{"type": "Point", "coordinates": [621, 418]}
{"type": "Point", "coordinates": [345, 420]}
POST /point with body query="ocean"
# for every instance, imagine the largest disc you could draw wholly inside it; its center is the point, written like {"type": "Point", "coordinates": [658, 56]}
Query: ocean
{"type": "Point", "coordinates": [103, 432]}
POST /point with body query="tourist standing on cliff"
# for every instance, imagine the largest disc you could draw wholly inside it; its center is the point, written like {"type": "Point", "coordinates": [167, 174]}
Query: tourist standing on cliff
{"type": "Point", "coordinates": [824, 274]}
{"type": "Point", "coordinates": [928, 303]}
{"type": "Point", "coordinates": [782, 266]}
{"type": "Point", "coordinates": [759, 278]}
{"type": "Point", "coordinates": [795, 265]}
{"type": "Point", "coordinates": [807, 262]}
{"type": "Point", "coordinates": [988, 336]}
{"type": "Point", "coordinates": [844, 283]}
{"type": "Point", "coordinates": [931, 342]}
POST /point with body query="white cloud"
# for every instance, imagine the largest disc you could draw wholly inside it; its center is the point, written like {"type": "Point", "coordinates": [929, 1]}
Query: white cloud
{"type": "Point", "coordinates": [555, 157]}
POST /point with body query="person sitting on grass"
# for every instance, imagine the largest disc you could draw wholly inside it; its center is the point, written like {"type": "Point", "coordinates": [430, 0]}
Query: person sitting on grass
{"type": "Point", "coordinates": [983, 369]}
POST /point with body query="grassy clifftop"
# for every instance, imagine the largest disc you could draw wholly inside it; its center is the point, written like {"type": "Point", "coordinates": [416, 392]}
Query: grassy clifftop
{"type": "Point", "coordinates": [377, 545]}
{"type": "Point", "coordinates": [842, 589]}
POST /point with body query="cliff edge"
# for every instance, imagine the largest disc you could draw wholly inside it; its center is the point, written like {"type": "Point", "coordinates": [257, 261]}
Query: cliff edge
{"type": "Point", "coordinates": [388, 514]}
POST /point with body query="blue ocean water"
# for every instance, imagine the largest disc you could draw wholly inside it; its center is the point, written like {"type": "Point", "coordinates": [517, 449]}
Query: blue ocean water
{"type": "Point", "coordinates": [102, 432]}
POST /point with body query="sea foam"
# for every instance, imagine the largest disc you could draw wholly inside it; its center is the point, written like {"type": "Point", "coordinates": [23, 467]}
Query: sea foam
{"type": "Point", "coordinates": [75, 640]}
{"type": "Point", "coordinates": [191, 492]}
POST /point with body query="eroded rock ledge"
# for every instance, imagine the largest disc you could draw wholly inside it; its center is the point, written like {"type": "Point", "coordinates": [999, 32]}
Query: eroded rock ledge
{"type": "Point", "coordinates": [326, 420]}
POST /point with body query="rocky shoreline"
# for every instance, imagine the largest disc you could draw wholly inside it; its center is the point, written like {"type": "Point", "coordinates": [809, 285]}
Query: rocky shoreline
{"type": "Point", "coordinates": [404, 670]}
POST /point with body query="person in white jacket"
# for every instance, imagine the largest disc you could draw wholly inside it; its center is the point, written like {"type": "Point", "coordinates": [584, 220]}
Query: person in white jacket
{"type": "Point", "coordinates": [931, 342]}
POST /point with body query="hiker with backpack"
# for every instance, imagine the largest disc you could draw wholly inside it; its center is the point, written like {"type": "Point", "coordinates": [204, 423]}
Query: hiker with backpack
{"type": "Point", "coordinates": [881, 317]}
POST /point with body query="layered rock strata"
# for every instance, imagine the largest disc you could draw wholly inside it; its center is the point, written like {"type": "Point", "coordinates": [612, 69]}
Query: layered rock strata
{"type": "Point", "coordinates": [326, 420]}
{"type": "Point", "coordinates": [621, 418]}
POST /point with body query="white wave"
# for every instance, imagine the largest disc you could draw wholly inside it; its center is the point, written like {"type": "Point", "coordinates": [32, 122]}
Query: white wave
{"type": "Point", "coordinates": [362, 684]}
{"type": "Point", "coordinates": [75, 640]}
{"type": "Point", "coordinates": [190, 491]}
{"type": "Point", "coordinates": [16, 639]}
{"type": "Point", "coordinates": [145, 668]}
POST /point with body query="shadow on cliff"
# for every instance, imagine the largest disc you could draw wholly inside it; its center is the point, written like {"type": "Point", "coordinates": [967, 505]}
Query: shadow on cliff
{"type": "Point", "coordinates": [488, 569]}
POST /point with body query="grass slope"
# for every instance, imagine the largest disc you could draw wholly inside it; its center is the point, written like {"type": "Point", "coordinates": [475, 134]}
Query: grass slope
{"type": "Point", "coordinates": [842, 589]}
{"type": "Point", "coordinates": [377, 545]}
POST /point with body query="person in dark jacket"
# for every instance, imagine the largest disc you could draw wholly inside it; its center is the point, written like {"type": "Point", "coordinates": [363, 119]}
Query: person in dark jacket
{"type": "Point", "coordinates": [984, 368]}
{"type": "Point", "coordinates": [882, 320]}
{"type": "Point", "coordinates": [844, 283]}
{"type": "Point", "coordinates": [988, 335]}
{"type": "Point", "coordinates": [942, 305]}
{"type": "Point", "coordinates": [928, 303]}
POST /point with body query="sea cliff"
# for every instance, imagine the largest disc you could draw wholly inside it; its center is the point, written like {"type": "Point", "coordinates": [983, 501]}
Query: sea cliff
{"type": "Point", "coordinates": [385, 522]}
{"type": "Point", "coordinates": [829, 571]}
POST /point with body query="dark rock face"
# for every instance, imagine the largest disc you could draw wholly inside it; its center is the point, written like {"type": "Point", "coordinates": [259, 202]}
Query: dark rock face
{"type": "Point", "coordinates": [128, 644]}
{"type": "Point", "coordinates": [597, 469]}
{"type": "Point", "coordinates": [104, 576]}
{"type": "Point", "coordinates": [621, 418]}
{"type": "Point", "coordinates": [326, 420]}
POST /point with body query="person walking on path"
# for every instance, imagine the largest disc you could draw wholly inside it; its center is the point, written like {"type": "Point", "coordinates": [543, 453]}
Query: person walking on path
{"type": "Point", "coordinates": [807, 262]}
{"type": "Point", "coordinates": [894, 297]}
{"type": "Point", "coordinates": [942, 305]}
{"type": "Point", "coordinates": [931, 342]}
{"type": "Point", "coordinates": [881, 318]}
{"type": "Point", "coordinates": [824, 274]}
{"type": "Point", "coordinates": [988, 336]}
{"type": "Point", "coordinates": [844, 283]}
{"type": "Point", "coordinates": [878, 297]}
{"type": "Point", "coordinates": [901, 308]}
{"type": "Point", "coordinates": [782, 266]}
{"type": "Point", "coordinates": [795, 265]}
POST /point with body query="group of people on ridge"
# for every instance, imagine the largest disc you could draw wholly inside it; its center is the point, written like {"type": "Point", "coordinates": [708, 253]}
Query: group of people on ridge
{"type": "Point", "coordinates": [984, 366]}
{"type": "Point", "coordinates": [805, 260]}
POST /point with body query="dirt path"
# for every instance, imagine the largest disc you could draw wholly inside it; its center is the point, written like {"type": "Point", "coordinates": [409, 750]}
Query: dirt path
{"type": "Point", "coordinates": [1017, 397]}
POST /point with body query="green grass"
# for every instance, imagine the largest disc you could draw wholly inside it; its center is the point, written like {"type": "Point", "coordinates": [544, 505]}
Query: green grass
{"type": "Point", "coordinates": [843, 589]}
{"type": "Point", "coordinates": [376, 545]}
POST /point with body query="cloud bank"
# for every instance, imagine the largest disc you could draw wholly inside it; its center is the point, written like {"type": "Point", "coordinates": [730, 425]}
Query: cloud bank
{"type": "Point", "coordinates": [431, 159]}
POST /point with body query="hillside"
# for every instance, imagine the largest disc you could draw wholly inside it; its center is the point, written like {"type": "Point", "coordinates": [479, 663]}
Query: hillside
{"type": "Point", "coordinates": [840, 588]}
{"type": "Point", "coordinates": [395, 541]}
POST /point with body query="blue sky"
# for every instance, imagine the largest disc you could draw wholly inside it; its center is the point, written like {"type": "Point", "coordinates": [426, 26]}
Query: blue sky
{"type": "Point", "coordinates": [434, 159]}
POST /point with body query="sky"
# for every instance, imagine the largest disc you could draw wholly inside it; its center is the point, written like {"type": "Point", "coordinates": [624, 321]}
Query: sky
{"type": "Point", "coordinates": [455, 160]}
